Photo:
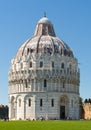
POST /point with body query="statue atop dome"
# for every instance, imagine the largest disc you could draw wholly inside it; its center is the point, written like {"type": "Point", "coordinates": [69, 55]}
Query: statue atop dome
{"type": "Point", "coordinates": [44, 14]}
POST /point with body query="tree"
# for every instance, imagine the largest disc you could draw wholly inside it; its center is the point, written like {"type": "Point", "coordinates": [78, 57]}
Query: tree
{"type": "Point", "coordinates": [89, 100]}
{"type": "Point", "coordinates": [86, 100]}
{"type": "Point", "coordinates": [81, 110]}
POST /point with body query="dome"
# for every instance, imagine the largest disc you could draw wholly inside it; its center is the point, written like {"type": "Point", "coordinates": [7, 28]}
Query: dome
{"type": "Point", "coordinates": [44, 27]}
{"type": "Point", "coordinates": [44, 41]}
{"type": "Point", "coordinates": [44, 20]}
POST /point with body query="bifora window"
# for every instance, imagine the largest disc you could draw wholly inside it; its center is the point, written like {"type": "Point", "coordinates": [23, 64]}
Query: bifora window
{"type": "Point", "coordinates": [41, 64]}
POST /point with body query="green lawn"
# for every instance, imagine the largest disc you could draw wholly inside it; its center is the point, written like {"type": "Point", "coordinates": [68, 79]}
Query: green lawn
{"type": "Point", "coordinates": [45, 125]}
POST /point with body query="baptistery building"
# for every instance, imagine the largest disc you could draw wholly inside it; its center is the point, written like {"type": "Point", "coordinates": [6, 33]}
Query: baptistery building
{"type": "Point", "coordinates": [44, 78]}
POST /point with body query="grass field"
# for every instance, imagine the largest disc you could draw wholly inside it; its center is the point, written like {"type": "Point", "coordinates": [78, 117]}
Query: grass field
{"type": "Point", "coordinates": [45, 125]}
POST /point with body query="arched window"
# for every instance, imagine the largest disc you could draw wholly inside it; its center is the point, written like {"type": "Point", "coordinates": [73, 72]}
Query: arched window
{"type": "Point", "coordinates": [29, 102]}
{"type": "Point", "coordinates": [62, 100]}
{"type": "Point", "coordinates": [31, 64]}
{"type": "Point", "coordinates": [21, 65]}
{"type": "Point", "coordinates": [28, 80]}
{"type": "Point", "coordinates": [62, 65]}
{"type": "Point", "coordinates": [72, 103]}
{"type": "Point", "coordinates": [28, 51]}
{"type": "Point", "coordinates": [70, 66]}
{"type": "Point", "coordinates": [41, 103]}
{"type": "Point", "coordinates": [15, 66]}
{"type": "Point", "coordinates": [65, 52]}
{"type": "Point", "coordinates": [67, 70]}
{"type": "Point", "coordinates": [19, 102]}
{"type": "Point", "coordinates": [44, 30]}
{"type": "Point", "coordinates": [52, 64]}
{"type": "Point", "coordinates": [26, 85]}
{"type": "Point", "coordinates": [45, 83]}
{"type": "Point", "coordinates": [41, 64]}
{"type": "Point", "coordinates": [12, 99]}
{"type": "Point", "coordinates": [63, 84]}
{"type": "Point", "coordinates": [61, 51]}
{"type": "Point", "coordinates": [52, 102]}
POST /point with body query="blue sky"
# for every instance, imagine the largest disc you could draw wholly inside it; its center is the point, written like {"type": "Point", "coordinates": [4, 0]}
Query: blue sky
{"type": "Point", "coordinates": [72, 23]}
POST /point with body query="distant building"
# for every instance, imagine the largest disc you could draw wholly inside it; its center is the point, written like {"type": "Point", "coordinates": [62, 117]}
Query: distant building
{"type": "Point", "coordinates": [44, 78]}
{"type": "Point", "coordinates": [87, 110]}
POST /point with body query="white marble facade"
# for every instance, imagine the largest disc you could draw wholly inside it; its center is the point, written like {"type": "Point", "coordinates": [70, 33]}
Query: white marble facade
{"type": "Point", "coordinates": [44, 78]}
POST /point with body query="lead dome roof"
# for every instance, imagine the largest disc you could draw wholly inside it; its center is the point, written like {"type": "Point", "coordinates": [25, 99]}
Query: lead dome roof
{"type": "Point", "coordinates": [44, 41]}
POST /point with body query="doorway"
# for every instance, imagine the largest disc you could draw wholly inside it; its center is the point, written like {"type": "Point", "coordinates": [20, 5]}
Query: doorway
{"type": "Point", "coordinates": [62, 112]}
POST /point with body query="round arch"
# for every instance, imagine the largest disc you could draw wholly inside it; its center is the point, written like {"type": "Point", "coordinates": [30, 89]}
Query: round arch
{"type": "Point", "coordinates": [64, 106]}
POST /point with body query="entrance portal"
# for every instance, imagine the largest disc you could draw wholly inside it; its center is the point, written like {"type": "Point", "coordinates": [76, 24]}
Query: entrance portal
{"type": "Point", "coordinates": [62, 112]}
